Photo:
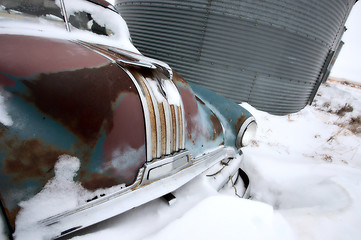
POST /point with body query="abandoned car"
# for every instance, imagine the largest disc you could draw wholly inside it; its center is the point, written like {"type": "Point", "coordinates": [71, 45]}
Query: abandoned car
{"type": "Point", "coordinates": [80, 104]}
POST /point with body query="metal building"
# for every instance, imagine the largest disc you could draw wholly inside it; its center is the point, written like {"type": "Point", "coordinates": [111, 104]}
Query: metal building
{"type": "Point", "coordinates": [271, 53]}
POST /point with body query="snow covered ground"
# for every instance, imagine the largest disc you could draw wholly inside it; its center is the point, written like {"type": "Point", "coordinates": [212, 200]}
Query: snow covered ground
{"type": "Point", "coordinates": [305, 171]}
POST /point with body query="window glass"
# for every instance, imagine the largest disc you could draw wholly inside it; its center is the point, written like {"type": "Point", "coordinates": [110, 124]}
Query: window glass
{"type": "Point", "coordinates": [85, 15]}
{"type": "Point", "coordinates": [46, 9]}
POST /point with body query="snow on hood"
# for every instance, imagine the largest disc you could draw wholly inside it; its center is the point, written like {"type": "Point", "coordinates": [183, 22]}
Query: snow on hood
{"type": "Point", "coordinates": [43, 28]}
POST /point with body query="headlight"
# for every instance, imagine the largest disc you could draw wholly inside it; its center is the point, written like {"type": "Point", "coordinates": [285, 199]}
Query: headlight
{"type": "Point", "coordinates": [246, 133]}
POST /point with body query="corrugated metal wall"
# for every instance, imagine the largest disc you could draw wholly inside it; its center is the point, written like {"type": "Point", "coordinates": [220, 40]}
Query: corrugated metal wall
{"type": "Point", "coordinates": [268, 53]}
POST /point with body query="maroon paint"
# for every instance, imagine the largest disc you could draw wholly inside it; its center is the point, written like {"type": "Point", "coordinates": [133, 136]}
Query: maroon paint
{"type": "Point", "coordinates": [127, 133]}
{"type": "Point", "coordinates": [25, 56]}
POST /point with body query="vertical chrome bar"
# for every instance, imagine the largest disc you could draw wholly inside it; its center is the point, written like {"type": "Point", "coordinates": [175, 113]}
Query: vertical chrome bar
{"type": "Point", "coordinates": [157, 117]}
{"type": "Point", "coordinates": [176, 127]}
{"type": "Point", "coordinates": [182, 143]}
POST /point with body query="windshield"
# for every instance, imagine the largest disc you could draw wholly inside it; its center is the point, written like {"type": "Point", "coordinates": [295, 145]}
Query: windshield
{"type": "Point", "coordinates": [85, 15]}
{"type": "Point", "coordinates": [87, 20]}
{"type": "Point", "coordinates": [82, 15]}
{"type": "Point", "coordinates": [24, 9]}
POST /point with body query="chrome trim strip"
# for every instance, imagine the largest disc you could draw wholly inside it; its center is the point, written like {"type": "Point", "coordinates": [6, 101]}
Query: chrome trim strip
{"type": "Point", "coordinates": [170, 159]}
{"type": "Point", "coordinates": [136, 64]}
{"type": "Point", "coordinates": [157, 118]}
{"type": "Point", "coordinates": [176, 127]}
{"type": "Point", "coordinates": [183, 117]}
{"type": "Point", "coordinates": [170, 129]}
{"type": "Point", "coordinates": [124, 200]}
{"type": "Point", "coordinates": [96, 51]}
{"type": "Point", "coordinates": [144, 59]}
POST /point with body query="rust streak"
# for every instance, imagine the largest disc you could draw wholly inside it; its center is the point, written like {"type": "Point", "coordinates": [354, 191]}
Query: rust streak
{"type": "Point", "coordinates": [97, 181]}
{"type": "Point", "coordinates": [30, 158]}
{"type": "Point", "coordinates": [240, 121]}
{"type": "Point", "coordinates": [81, 100]}
{"type": "Point", "coordinates": [216, 126]}
{"type": "Point", "coordinates": [163, 128]}
{"type": "Point", "coordinates": [141, 80]}
{"type": "Point", "coordinates": [174, 128]}
{"type": "Point", "coordinates": [179, 79]}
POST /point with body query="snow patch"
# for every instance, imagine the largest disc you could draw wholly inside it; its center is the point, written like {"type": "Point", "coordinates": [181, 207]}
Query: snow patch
{"type": "Point", "coordinates": [223, 217]}
{"type": "Point", "coordinates": [60, 194]}
{"type": "Point", "coordinates": [164, 90]}
{"type": "Point", "coordinates": [4, 115]}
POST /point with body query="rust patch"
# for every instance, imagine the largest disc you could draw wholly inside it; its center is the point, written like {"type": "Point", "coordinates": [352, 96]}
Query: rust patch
{"type": "Point", "coordinates": [216, 126]}
{"type": "Point", "coordinates": [12, 216]}
{"type": "Point", "coordinates": [200, 100]}
{"type": "Point", "coordinates": [30, 158]}
{"type": "Point", "coordinates": [179, 79]}
{"type": "Point", "coordinates": [9, 215]}
{"type": "Point", "coordinates": [81, 100]}
{"type": "Point", "coordinates": [97, 181]}
{"type": "Point", "coordinates": [2, 130]}
{"type": "Point", "coordinates": [239, 123]}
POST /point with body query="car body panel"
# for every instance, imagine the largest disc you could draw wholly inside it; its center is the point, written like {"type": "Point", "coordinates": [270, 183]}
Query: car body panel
{"type": "Point", "coordinates": [86, 107]}
{"type": "Point", "coordinates": [137, 127]}
{"type": "Point", "coordinates": [231, 115]}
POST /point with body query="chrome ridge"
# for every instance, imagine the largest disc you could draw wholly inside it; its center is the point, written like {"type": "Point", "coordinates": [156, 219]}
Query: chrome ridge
{"type": "Point", "coordinates": [133, 63]}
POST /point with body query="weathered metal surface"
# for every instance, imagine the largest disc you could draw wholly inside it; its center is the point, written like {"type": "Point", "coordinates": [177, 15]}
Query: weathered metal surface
{"type": "Point", "coordinates": [69, 100]}
{"type": "Point", "coordinates": [20, 56]}
{"type": "Point", "coordinates": [203, 129]}
{"type": "Point", "coordinates": [165, 116]}
{"type": "Point", "coordinates": [268, 53]}
{"type": "Point", "coordinates": [230, 114]}
{"type": "Point", "coordinates": [130, 120]}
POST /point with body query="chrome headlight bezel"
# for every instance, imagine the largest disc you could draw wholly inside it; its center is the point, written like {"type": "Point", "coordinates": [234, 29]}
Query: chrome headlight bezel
{"type": "Point", "coordinates": [247, 132]}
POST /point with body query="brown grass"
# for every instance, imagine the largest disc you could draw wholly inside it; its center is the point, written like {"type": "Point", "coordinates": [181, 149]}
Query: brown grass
{"type": "Point", "coordinates": [343, 110]}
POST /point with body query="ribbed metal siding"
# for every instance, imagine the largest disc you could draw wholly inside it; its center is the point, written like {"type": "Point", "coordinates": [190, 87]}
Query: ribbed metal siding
{"type": "Point", "coordinates": [267, 53]}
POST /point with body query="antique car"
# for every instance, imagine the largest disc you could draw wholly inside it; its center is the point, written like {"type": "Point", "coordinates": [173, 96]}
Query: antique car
{"type": "Point", "coordinates": [80, 105]}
